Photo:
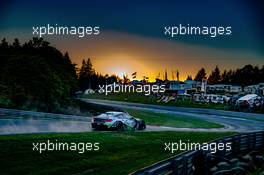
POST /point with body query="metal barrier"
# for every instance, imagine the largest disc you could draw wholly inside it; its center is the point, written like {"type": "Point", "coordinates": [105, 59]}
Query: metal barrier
{"type": "Point", "coordinates": [197, 162]}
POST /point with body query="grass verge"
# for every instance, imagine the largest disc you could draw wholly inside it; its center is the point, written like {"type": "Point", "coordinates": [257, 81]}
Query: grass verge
{"type": "Point", "coordinates": [164, 119]}
{"type": "Point", "coordinates": [120, 153]}
{"type": "Point", "coordinates": [141, 98]}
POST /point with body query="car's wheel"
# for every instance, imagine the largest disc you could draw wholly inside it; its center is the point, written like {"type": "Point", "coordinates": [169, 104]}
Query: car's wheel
{"type": "Point", "coordinates": [120, 127]}
{"type": "Point", "coordinates": [141, 125]}
{"type": "Point", "coordinates": [137, 125]}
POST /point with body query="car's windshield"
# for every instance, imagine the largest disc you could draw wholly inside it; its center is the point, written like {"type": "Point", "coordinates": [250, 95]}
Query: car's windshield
{"type": "Point", "coordinates": [128, 116]}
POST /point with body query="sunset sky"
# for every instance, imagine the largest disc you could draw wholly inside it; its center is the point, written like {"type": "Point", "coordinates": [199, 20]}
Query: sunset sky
{"type": "Point", "coordinates": [131, 33]}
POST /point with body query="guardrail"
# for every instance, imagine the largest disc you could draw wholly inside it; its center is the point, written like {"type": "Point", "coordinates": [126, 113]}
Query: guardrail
{"type": "Point", "coordinates": [199, 162]}
{"type": "Point", "coordinates": [33, 114]}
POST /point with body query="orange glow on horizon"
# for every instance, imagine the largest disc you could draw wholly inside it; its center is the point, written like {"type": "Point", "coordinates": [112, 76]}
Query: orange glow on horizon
{"type": "Point", "coordinates": [121, 53]}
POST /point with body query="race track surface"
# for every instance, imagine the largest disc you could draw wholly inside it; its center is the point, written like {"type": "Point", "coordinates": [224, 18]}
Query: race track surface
{"type": "Point", "coordinates": [232, 121]}
{"type": "Point", "coordinates": [24, 122]}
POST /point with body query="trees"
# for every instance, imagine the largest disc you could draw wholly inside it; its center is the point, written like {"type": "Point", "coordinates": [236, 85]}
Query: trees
{"type": "Point", "coordinates": [247, 75]}
{"type": "Point", "coordinates": [227, 77]}
{"type": "Point", "coordinates": [189, 77]}
{"type": "Point", "coordinates": [261, 73]}
{"type": "Point", "coordinates": [200, 75]}
{"type": "Point", "coordinates": [36, 75]}
{"type": "Point", "coordinates": [85, 74]}
{"type": "Point", "coordinates": [215, 76]}
{"type": "Point", "coordinates": [16, 43]}
{"type": "Point", "coordinates": [89, 79]}
{"type": "Point", "coordinates": [4, 44]}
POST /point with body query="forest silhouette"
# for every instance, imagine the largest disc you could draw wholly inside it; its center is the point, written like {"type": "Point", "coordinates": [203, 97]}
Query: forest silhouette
{"type": "Point", "coordinates": [36, 76]}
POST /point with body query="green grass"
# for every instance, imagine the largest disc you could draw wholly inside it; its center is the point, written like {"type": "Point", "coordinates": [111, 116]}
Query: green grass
{"type": "Point", "coordinates": [163, 119]}
{"type": "Point", "coordinates": [120, 153]}
{"type": "Point", "coordinates": [141, 98]}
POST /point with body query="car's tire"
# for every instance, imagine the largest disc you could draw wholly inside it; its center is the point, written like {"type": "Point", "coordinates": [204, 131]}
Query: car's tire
{"type": "Point", "coordinates": [120, 126]}
{"type": "Point", "coordinates": [144, 127]}
{"type": "Point", "coordinates": [137, 125]}
{"type": "Point", "coordinates": [141, 125]}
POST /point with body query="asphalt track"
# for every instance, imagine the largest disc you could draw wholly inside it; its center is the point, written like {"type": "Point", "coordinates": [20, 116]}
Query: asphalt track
{"type": "Point", "coordinates": [24, 122]}
{"type": "Point", "coordinates": [28, 122]}
{"type": "Point", "coordinates": [232, 121]}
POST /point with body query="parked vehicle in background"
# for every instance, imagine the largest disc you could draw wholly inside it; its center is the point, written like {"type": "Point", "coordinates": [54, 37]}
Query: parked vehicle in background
{"type": "Point", "coordinates": [211, 98]}
{"type": "Point", "coordinates": [249, 103]}
{"type": "Point", "coordinates": [117, 121]}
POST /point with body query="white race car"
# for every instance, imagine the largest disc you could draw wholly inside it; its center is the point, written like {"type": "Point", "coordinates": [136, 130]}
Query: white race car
{"type": "Point", "coordinates": [117, 121]}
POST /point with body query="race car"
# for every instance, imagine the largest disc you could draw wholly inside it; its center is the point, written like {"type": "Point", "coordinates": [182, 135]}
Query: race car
{"type": "Point", "coordinates": [117, 121]}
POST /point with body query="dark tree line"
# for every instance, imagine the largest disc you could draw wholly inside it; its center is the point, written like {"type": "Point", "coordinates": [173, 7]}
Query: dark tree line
{"type": "Point", "coordinates": [89, 79]}
{"type": "Point", "coordinates": [36, 74]}
{"type": "Point", "coordinates": [248, 75]}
